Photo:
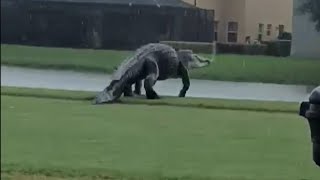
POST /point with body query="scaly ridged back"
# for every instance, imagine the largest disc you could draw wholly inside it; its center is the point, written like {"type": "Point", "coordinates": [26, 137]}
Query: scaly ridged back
{"type": "Point", "coordinates": [133, 65]}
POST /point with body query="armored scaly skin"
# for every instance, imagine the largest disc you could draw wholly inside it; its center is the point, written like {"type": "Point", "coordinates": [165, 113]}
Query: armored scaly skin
{"type": "Point", "coordinates": [151, 62]}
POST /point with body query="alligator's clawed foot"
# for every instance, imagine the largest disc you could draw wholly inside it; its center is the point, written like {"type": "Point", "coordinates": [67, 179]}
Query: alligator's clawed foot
{"type": "Point", "coordinates": [128, 94]}
{"type": "Point", "coordinates": [137, 95]}
{"type": "Point", "coordinates": [182, 94]}
{"type": "Point", "coordinates": [152, 95]}
{"type": "Point", "coordinates": [137, 92]}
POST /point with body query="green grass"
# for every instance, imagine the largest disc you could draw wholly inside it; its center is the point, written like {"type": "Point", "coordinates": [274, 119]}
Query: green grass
{"type": "Point", "coordinates": [62, 58]}
{"type": "Point", "coordinates": [21, 176]}
{"type": "Point", "coordinates": [227, 67]}
{"type": "Point", "coordinates": [72, 139]}
{"type": "Point", "coordinates": [265, 106]}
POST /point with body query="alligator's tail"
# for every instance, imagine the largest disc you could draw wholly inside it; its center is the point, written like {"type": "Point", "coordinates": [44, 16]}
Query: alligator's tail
{"type": "Point", "coordinates": [116, 87]}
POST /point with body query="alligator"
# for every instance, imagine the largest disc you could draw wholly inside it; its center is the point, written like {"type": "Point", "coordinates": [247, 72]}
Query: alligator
{"type": "Point", "coordinates": [151, 62]}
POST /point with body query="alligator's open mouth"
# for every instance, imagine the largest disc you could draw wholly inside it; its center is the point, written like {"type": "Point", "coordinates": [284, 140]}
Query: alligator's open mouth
{"type": "Point", "coordinates": [202, 60]}
{"type": "Point", "coordinates": [199, 62]}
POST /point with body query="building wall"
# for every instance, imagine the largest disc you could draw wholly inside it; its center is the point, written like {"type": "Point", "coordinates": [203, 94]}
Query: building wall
{"type": "Point", "coordinates": [248, 14]}
{"type": "Point", "coordinates": [273, 12]}
{"type": "Point", "coordinates": [225, 11]}
{"type": "Point", "coordinates": [206, 4]}
{"type": "Point", "coordinates": [217, 5]}
{"type": "Point", "coordinates": [305, 39]}
{"type": "Point", "coordinates": [233, 11]}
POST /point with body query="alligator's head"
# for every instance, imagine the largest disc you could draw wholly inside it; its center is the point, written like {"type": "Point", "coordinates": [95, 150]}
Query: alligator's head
{"type": "Point", "coordinates": [191, 60]}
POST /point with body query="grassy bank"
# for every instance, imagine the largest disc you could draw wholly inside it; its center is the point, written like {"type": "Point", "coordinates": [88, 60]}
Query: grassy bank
{"type": "Point", "coordinates": [62, 139]}
{"type": "Point", "coordinates": [265, 106]}
{"type": "Point", "coordinates": [227, 67]}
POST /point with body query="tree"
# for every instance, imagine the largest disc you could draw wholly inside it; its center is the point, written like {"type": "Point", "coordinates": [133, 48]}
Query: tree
{"type": "Point", "coordinates": [311, 7]}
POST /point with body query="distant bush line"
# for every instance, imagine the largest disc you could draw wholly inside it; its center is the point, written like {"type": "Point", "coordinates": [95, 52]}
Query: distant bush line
{"type": "Point", "coordinates": [277, 48]}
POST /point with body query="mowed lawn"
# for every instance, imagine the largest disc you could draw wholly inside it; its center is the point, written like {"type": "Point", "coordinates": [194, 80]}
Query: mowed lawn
{"type": "Point", "coordinates": [226, 67]}
{"type": "Point", "coordinates": [68, 139]}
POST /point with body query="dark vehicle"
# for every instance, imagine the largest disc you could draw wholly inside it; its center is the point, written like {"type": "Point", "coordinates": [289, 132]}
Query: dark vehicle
{"type": "Point", "coordinates": [311, 111]}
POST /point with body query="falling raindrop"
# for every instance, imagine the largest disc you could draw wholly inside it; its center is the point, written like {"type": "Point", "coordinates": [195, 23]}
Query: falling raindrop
{"type": "Point", "coordinates": [157, 3]}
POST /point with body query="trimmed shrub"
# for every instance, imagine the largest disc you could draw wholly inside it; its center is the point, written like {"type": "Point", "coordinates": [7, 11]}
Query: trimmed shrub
{"type": "Point", "coordinates": [222, 48]}
{"type": "Point", "coordinates": [247, 49]}
{"type": "Point", "coordinates": [255, 49]}
{"type": "Point", "coordinates": [285, 36]}
{"type": "Point", "coordinates": [197, 47]}
{"type": "Point", "coordinates": [230, 48]}
{"type": "Point", "coordinates": [280, 48]}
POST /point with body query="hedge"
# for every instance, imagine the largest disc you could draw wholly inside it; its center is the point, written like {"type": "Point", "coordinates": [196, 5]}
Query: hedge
{"type": "Point", "coordinates": [197, 47]}
{"type": "Point", "coordinates": [273, 48]}
{"type": "Point", "coordinates": [280, 48]}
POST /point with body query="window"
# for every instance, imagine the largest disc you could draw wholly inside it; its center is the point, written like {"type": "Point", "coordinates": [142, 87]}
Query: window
{"type": "Point", "coordinates": [216, 23]}
{"type": "Point", "coordinates": [261, 28]}
{"type": "Point", "coordinates": [281, 29]}
{"type": "Point", "coordinates": [233, 27]}
{"type": "Point", "coordinates": [232, 31]}
{"type": "Point", "coordinates": [269, 29]}
{"type": "Point", "coordinates": [248, 39]}
{"type": "Point", "coordinates": [260, 37]}
{"type": "Point", "coordinates": [260, 31]}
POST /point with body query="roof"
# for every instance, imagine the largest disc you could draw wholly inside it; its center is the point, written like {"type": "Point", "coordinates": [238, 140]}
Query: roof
{"type": "Point", "coordinates": [159, 3]}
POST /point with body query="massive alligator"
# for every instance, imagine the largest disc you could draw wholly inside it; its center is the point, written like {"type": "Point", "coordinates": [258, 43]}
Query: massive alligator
{"type": "Point", "coordinates": [152, 62]}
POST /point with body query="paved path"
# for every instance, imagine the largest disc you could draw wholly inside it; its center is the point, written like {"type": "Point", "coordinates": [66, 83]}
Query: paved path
{"type": "Point", "coordinates": [69, 80]}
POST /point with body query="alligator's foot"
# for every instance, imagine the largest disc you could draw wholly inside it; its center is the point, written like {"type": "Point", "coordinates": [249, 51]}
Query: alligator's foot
{"type": "Point", "coordinates": [134, 96]}
{"type": "Point", "coordinates": [128, 94]}
{"type": "Point", "coordinates": [152, 95]}
{"type": "Point", "coordinates": [137, 92]}
{"type": "Point", "coordinates": [131, 94]}
{"type": "Point", "coordinates": [137, 95]}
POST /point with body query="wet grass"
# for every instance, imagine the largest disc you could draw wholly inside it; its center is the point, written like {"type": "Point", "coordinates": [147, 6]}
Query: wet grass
{"type": "Point", "coordinates": [22, 176]}
{"type": "Point", "coordinates": [265, 106]}
{"type": "Point", "coordinates": [65, 139]}
{"type": "Point", "coordinates": [227, 67]}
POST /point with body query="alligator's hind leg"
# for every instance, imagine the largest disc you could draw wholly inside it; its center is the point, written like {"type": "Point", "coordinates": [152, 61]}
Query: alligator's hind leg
{"type": "Point", "coordinates": [152, 73]}
{"type": "Point", "coordinates": [137, 87]}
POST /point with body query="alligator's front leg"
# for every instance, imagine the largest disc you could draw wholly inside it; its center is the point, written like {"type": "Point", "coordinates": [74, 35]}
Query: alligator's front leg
{"type": "Point", "coordinates": [151, 78]}
{"type": "Point", "coordinates": [127, 91]}
{"type": "Point", "coordinates": [184, 74]}
{"type": "Point", "coordinates": [137, 87]}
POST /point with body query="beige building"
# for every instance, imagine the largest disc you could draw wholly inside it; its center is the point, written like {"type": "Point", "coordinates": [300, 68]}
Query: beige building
{"type": "Point", "coordinates": [239, 20]}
